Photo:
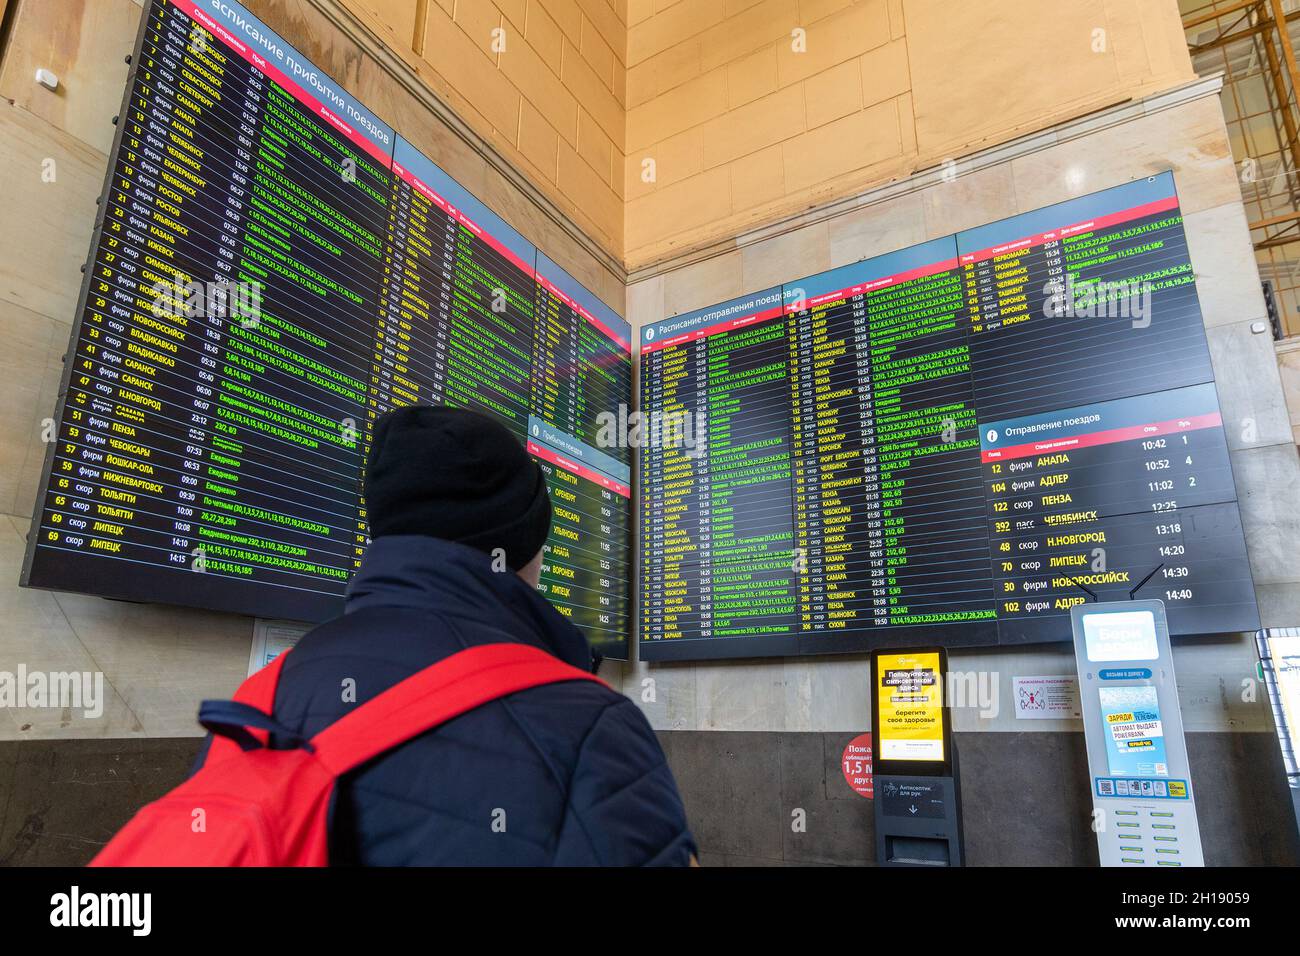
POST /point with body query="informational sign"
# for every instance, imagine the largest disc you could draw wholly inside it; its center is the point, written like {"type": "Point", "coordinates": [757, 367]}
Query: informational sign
{"type": "Point", "coordinates": [856, 764]}
{"type": "Point", "coordinates": [909, 707]}
{"type": "Point", "coordinates": [1046, 698]}
{"type": "Point", "coordinates": [914, 799]}
{"type": "Point", "coordinates": [275, 267]}
{"type": "Point", "coordinates": [271, 639]}
{"type": "Point", "coordinates": [950, 443]}
{"type": "Point", "coordinates": [1137, 738]}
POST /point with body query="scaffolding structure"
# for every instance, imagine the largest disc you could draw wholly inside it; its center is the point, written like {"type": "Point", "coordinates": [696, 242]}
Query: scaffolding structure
{"type": "Point", "coordinates": [1261, 75]}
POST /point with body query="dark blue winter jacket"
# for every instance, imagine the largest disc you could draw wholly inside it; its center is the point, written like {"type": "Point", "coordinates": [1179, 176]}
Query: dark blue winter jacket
{"type": "Point", "coordinates": [567, 774]}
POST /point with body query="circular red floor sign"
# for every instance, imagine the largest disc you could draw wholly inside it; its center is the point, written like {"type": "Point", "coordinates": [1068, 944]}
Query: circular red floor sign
{"type": "Point", "coordinates": [856, 764]}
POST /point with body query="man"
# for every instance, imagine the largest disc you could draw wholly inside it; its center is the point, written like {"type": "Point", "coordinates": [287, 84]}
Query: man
{"type": "Point", "coordinates": [564, 774]}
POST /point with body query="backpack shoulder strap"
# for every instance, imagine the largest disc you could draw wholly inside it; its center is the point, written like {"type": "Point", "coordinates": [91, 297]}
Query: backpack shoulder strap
{"type": "Point", "coordinates": [257, 691]}
{"type": "Point", "coordinates": [433, 696]}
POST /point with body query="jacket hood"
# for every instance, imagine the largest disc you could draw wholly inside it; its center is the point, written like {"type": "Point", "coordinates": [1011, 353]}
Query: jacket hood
{"type": "Point", "coordinates": [423, 573]}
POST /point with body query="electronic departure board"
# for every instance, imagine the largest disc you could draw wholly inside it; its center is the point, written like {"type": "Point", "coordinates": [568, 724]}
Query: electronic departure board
{"type": "Point", "coordinates": [274, 267]}
{"type": "Point", "coordinates": [582, 370]}
{"type": "Point", "coordinates": [953, 443]}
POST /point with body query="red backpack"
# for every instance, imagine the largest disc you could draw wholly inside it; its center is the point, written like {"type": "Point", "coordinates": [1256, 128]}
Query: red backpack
{"type": "Point", "coordinates": [250, 805]}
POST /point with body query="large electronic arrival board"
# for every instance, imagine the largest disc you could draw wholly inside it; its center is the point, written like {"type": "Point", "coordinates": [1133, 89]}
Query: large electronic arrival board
{"type": "Point", "coordinates": [228, 439]}
{"type": "Point", "coordinates": [952, 443]}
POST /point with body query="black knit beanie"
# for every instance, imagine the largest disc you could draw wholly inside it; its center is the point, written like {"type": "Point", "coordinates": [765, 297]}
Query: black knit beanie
{"type": "Point", "coordinates": [458, 475]}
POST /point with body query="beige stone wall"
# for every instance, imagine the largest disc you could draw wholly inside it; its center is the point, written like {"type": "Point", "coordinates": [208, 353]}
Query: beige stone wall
{"type": "Point", "coordinates": [666, 125]}
{"type": "Point", "coordinates": [551, 101]}
{"type": "Point", "coordinates": [1181, 131]}
{"type": "Point", "coordinates": [1288, 360]}
{"type": "Point", "coordinates": [743, 129]}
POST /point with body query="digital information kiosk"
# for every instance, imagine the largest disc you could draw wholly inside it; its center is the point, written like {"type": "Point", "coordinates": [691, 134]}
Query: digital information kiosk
{"type": "Point", "coordinates": [1144, 807]}
{"type": "Point", "coordinates": [917, 799]}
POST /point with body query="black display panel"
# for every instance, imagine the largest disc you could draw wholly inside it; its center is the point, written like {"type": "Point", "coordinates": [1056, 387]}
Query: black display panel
{"type": "Point", "coordinates": [581, 386]}
{"type": "Point", "coordinates": [457, 327]}
{"type": "Point", "coordinates": [952, 443]}
{"type": "Point", "coordinates": [275, 267]}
